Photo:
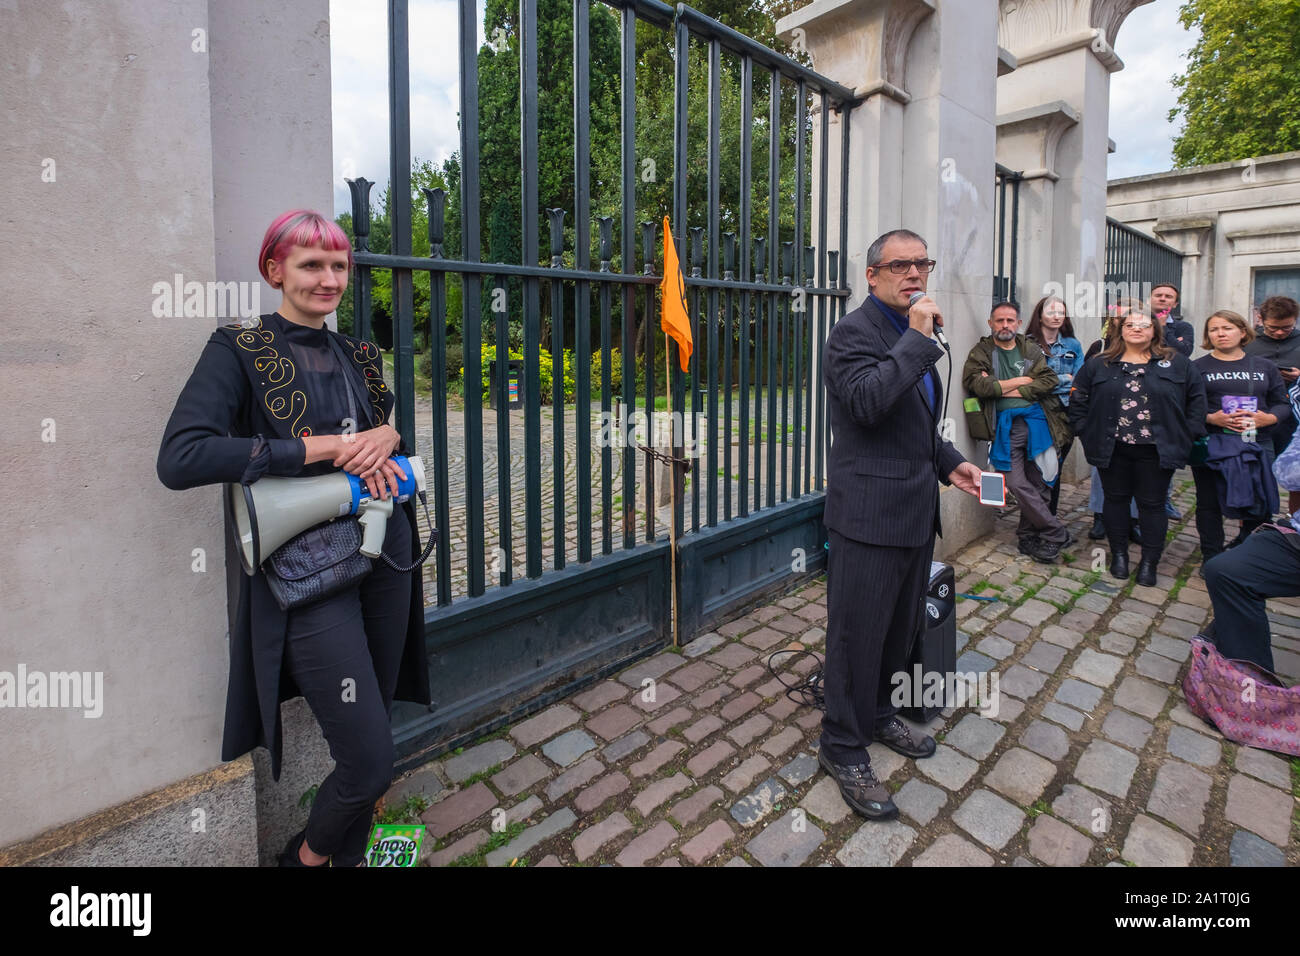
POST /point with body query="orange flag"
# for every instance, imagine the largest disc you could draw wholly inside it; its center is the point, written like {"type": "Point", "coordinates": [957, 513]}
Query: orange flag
{"type": "Point", "coordinates": [672, 296]}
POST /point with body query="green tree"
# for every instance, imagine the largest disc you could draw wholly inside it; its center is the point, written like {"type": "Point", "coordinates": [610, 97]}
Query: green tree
{"type": "Point", "coordinates": [1240, 95]}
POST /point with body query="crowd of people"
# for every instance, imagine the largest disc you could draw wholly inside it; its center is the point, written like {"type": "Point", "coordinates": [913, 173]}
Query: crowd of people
{"type": "Point", "coordinates": [1141, 408]}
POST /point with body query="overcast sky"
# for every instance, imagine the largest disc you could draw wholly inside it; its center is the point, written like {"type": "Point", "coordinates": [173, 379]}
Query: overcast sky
{"type": "Point", "coordinates": [1152, 44]}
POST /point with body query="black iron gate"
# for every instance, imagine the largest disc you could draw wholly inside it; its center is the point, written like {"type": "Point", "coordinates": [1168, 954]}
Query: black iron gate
{"type": "Point", "coordinates": [1006, 196]}
{"type": "Point", "coordinates": [1135, 262]}
{"type": "Point", "coordinates": [763, 295]}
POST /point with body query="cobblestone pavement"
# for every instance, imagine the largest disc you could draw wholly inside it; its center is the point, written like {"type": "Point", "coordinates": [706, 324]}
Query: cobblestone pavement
{"type": "Point", "coordinates": [1092, 757]}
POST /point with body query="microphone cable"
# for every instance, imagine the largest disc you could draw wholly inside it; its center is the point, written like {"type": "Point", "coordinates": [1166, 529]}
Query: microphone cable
{"type": "Point", "coordinates": [807, 691]}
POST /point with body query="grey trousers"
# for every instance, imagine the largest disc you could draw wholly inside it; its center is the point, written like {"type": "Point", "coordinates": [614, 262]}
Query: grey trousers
{"type": "Point", "coordinates": [1026, 482]}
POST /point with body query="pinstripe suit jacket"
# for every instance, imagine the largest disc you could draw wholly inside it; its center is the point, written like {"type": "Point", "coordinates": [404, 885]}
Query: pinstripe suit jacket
{"type": "Point", "coordinates": [886, 456]}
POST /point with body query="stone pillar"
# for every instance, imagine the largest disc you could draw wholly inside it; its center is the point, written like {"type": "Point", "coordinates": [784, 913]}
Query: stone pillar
{"type": "Point", "coordinates": [921, 154]}
{"type": "Point", "coordinates": [1193, 236]}
{"type": "Point", "coordinates": [1065, 54]}
{"type": "Point", "coordinates": [861, 44]}
{"type": "Point", "coordinates": [1027, 143]}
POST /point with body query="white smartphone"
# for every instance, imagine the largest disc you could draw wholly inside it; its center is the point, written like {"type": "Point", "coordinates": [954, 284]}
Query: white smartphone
{"type": "Point", "coordinates": [993, 488]}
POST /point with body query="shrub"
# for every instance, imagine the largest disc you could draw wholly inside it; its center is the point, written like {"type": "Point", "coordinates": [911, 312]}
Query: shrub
{"type": "Point", "coordinates": [488, 356]}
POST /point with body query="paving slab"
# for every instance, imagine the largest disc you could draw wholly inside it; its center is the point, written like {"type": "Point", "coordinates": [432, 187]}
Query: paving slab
{"type": "Point", "coordinates": [1114, 643]}
{"type": "Point", "coordinates": [589, 841]}
{"type": "Point", "coordinates": [1157, 668]}
{"type": "Point", "coordinates": [996, 647]}
{"type": "Point", "coordinates": [989, 819]}
{"type": "Point", "coordinates": [1065, 716]}
{"type": "Point", "coordinates": [709, 842]}
{"type": "Point", "coordinates": [1152, 844]}
{"type": "Point", "coordinates": [1061, 636]}
{"type": "Point", "coordinates": [689, 810]}
{"type": "Point", "coordinates": [652, 668]}
{"type": "Point", "coordinates": [568, 747]}
{"type": "Point", "coordinates": [1083, 808]}
{"type": "Point", "coordinates": [1021, 775]}
{"type": "Point", "coordinates": [703, 644]}
{"type": "Point", "coordinates": [1046, 739]}
{"type": "Point", "coordinates": [976, 736]}
{"type": "Point", "coordinates": [1247, 849]}
{"type": "Point", "coordinates": [1127, 729]}
{"type": "Point", "coordinates": [1058, 844]}
{"type": "Point", "coordinates": [952, 850]}
{"type": "Point", "coordinates": [521, 775]}
{"type": "Point", "coordinates": [555, 824]}
{"type": "Point", "coordinates": [1195, 748]}
{"type": "Point", "coordinates": [920, 801]}
{"type": "Point", "coordinates": [477, 759]}
{"type": "Point", "coordinates": [1096, 667]}
{"type": "Point", "coordinates": [799, 770]}
{"type": "Point", "coordinates": [1260, 808]}
{"type": "Point", "coordinates": [1179, 795]}
{"type": "Point", "coordinates": [648, 845]}
{"type": "Point", "coordinates": [574, 777]}
{"type": "Point", "coordinates": [607, 787]}
{"type": "Point", "coordinates": [1019, 681]}
{"type": "Point", "coordinates": [787, 841]}
{"type": "Point", "coordinates": [1141, 697]}
{"type": "Point", "coordinates": [1079, 695]}
{"type": "Point", "coordinates": [546, 724]}
{"type": "Point", "coordinates": [627, 744]}
{"type": "Point", "coordinates": [877, 843]}
{"type": "Point", "coordinates": [825, 802]}
{"type": "Point", "coordinates": [1174, 648]}
{"type": "Point", "coordinates": [1265, 766]}
{"type": "Point", "coordinates": [948, 768]}
{"type": "Point", "coordinates": [1106, 767]}
{"type": "Point", "coordinates": [753, 807]}
{"type": "Point", "coordinates": [1044, 657]}
{"type": "Point", "coordinates": [744, 774]}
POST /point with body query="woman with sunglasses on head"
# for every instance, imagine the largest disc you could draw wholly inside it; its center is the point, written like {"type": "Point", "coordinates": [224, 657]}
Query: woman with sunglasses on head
{"type": "Point", "coordinates": [1096, 497]}
{"type": "Point", "coordinates": [283, 395]}
{"type": "Point", "coordinates": [1137, 408]}
{"type": "Point", "coordinates": [1246, 397]}
{"type": "Point", "coordinates": [1051, 330]}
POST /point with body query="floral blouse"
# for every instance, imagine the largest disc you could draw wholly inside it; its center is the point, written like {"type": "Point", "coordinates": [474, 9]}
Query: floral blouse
{"type": "Point", "coordinates": [1133, 427]}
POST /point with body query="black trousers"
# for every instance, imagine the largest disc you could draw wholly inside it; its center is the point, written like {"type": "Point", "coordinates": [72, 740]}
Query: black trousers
{"type": "Point", "coordinates": [344, 654]}
{"type": "Point", "coordinates": [1135, 472]}
{"type": "Point", "coordinates": [873, 607]}
{"type": "Point", "coordinates": [1265, 565]}
{"type": "Point", "coordinates": [1209, 519]}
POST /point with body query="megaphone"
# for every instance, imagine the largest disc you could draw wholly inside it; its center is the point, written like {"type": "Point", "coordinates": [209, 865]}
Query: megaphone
{"type": "Point", "coordinates": [272, 510]}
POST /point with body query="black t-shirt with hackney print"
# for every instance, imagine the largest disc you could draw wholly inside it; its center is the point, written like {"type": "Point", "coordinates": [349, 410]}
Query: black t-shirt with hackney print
{"type": "Point", "coordinates": [1247, 377]}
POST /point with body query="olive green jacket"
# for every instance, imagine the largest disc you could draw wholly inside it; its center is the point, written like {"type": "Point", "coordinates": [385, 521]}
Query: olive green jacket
{"type": "Point", "coordinates": [981, 408]}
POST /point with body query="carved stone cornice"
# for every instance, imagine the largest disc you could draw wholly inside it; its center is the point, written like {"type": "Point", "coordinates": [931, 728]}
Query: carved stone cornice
{"type": "Point", "coordinates": [1038, 29]}
{"type": "Point", "coordinates": [1032, 136]}
{"type": "Point", "coordinates": [1187, 234]}
{"type": "Point", "coordinates": [861, 44]}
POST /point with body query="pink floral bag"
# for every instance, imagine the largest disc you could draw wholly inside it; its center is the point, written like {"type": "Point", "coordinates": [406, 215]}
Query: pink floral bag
{"type": "Point", "coordinates": [1248, 704]}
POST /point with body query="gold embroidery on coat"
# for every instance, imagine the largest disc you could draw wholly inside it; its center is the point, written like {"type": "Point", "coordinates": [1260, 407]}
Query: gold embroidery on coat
{"type": "Point", "coordinates": [279, 372]}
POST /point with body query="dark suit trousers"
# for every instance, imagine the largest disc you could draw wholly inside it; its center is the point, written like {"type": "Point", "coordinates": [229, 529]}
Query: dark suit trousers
{"type": "Point", "coordinates": [344, 654]}
{"type": "Point", "coordinates": [873, 606]}
{"type": "Point", "coordinates": [1265, 565]}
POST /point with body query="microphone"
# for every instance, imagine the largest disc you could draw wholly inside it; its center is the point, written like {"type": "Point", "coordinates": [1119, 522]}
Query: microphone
{"type": "Point", "coordinates": [938, 326]}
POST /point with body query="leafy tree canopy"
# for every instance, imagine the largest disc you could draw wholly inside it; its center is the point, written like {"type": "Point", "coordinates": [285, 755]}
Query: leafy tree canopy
{"type": "Point", "coordinates": [1240, 95]}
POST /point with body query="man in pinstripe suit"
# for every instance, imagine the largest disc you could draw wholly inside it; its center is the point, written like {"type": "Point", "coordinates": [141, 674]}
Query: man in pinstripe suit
{"type": "Point", "coordinates": [882, 510]}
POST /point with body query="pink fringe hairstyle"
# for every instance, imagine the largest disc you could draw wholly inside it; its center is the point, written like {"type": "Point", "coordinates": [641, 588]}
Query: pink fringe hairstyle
{"type": "Point", "coordinates": [300, 227]}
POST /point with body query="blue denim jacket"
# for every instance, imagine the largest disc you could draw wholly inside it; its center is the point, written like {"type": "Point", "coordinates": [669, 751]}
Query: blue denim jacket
{"type": "Point", "coordinates": [1065, 357]}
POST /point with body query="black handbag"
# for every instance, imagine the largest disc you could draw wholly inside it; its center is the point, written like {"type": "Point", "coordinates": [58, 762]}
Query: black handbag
{"type": "Point", "coordinates": [323, 560]}
{"type": "Point", "coordinates": [316, 564]}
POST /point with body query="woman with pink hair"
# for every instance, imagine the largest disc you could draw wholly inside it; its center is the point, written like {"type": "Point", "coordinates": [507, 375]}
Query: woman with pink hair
{"type": "Point", "coordinates": [284, 395]}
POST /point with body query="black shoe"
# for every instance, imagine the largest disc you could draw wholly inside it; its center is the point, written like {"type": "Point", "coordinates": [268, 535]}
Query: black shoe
{"type": "Point", "coordinates": [866, 795]}
{"type": "Point", "coordinates": [289, 856]}
{"type": "Point", "coordinates": [1146, 575]}
{"type": "Point", "coordinates": [1135, 532]}
{"type": "Point", "coordinates": [895, 735]}
{"type": "Point", "coordinates": [1069, 539]}
{"type": "Point", "coordinates": [1098, 528]}
{"type": "Point", "coordinates": [1039, 550]}
{"type": "Point", "coordinates": [1119, 566]}
{"type": "Point", "coordinates": [1241, 536]}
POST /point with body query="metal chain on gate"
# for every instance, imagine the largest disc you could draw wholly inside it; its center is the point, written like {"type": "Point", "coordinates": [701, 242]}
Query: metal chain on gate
{"type": "Point", "coordinates": [666, 458]}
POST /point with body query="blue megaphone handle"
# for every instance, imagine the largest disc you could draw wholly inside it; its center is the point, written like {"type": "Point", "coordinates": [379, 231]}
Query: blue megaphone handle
{"type": "Point", "coordinates": [405, 488]}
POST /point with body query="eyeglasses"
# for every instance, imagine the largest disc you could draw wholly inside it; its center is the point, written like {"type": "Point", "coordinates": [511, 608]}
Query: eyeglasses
{"type": "Point", "coordinates": [1279, 328]}
{"type": "Point", "coordinates": [1137, 326]}
{"type": "Point", "coordinates": [900, 267]}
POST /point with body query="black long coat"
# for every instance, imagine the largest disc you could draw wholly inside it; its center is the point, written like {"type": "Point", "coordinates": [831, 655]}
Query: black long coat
{"type": "Point", "coordinates": [210, 438]}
